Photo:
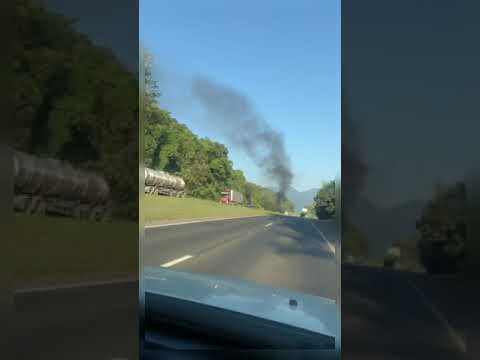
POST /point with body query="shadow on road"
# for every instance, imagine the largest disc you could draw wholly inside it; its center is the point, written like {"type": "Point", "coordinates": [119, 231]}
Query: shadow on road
{"type": "Point", "coordinates": [387, 318]}
{"type": "Point", "coordinates": [52, 323]}
{"type": "Point", "coordinates": [298, 237]}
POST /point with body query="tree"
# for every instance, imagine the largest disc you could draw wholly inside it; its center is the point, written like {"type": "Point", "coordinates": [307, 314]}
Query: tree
{"type": "Point", "coordinates": [354, 241]}
{"type": "Point", "coordinates": [325, 201]}
{"type": "Point", "coordinates": [288, 206]}
{"type": "Point", "coordinates": [76, 102]}
{"type": "Point", "coordinates": [442, 230]}
{"type": "Point", "coordinates": [203, 164]}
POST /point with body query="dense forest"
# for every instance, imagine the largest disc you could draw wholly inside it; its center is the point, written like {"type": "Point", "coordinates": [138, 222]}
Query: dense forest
{"type": "Point", "coordinates": [203, 164]}
{"type": "Point", "coordinates": [75, 101]}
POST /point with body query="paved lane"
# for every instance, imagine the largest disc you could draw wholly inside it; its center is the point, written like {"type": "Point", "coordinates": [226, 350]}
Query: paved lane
{"type": "Point", "coordinates": [389, 314]}
{"type": "Point", "coordinates": [88, 322]}
{"type": "Point", "coordinates": [280, 251]}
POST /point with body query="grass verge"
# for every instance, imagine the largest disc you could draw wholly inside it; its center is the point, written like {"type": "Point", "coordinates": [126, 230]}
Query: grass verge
{"type": "Point", "coordinates": [55, 251]}
{"type": "Point", "coordinates": [158, 209]}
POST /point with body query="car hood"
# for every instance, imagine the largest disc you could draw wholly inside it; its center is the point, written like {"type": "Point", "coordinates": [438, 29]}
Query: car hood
{"type": "Point", "coordinates": [314, 313]}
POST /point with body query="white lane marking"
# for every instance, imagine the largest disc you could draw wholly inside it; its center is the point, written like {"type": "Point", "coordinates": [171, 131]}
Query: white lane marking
{"type": "Point", "coordinates": [269, 224]}
{"type": "Point", "coordinates": [176, 261]}
{"type": "Point", "coordinates": [75, 285]}
{"type": "Point", "coordinates": [329, 244]}
{"type": "Point", "coordinates": [200, 221]}
{"type": "Point", "coordinates": [455, 337]}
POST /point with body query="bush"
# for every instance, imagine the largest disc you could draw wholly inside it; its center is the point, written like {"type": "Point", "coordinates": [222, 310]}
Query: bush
{"type": "Point", "coordinates": [325, 201]}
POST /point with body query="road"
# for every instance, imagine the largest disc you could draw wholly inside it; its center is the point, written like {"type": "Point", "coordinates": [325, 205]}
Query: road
{"type": "Point", "coordinates": [280, 251]}
{"type": "Point", "coordinates": [84, 322]}
{"type": "Point", "coordinates": [388, 314]}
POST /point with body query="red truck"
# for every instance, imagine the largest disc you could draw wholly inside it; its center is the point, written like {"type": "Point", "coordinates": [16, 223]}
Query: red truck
{"type": "Point", "coordinates": [230, 196]}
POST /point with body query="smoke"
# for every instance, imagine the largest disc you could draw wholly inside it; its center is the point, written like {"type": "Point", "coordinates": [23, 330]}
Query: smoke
{"type": "Point", "coordinates": [354, 167]}
{"type": "Point", "coordinates": [234, 115]}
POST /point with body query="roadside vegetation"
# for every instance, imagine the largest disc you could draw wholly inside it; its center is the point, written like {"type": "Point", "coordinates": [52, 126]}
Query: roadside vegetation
{"type": "Point", "coordinates": [75, 101]}
{"type": "Point", "coordinates": [324, 202]}
{"type": "Point", "coordinates": [64, 250]}
{"type": "Point", "coordinates": [162, 208]}
{"type": "Point", "coordinates": [204, 164]}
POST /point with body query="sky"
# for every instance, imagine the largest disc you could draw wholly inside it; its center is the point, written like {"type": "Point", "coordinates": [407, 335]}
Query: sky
{"type": "Point", "coordinates": [411, 90]}
{"type": "Point", "coordinates": [112, 24]}
{"type": "Point", "coordinates": [283, 55]}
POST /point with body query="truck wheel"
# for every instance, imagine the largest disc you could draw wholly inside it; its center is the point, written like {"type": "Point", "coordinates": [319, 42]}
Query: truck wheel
{"type": "Point", "coordinates": [94, 214]}
{"type": "Point", "coordinates": [102, 215]}
{"type": "Point", "coordinates": [41, 207]}
{"type": "Point", "coordinates": [77, 213]}
{"type": "Point", "coordinates": [28, 206]}
{"type": "Point", "coordinates": [81, 213]}
{"type": "Point", "coordinates": [99, 214]}
{"type": "Point", "coordinates": [105, 215]}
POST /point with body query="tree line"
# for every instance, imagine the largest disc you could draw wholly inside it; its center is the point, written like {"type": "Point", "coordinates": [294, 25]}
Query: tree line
{"type": "Point", "coordinates": [324, 201]}
{"type": "Point", "coordinates": [75, 101]}
{"type": "Point", "coordinates": [204, 164]}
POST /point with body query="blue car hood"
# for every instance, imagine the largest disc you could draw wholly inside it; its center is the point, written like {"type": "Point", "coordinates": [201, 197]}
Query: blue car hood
{"type": "Point", "coordinates": [312, 313]}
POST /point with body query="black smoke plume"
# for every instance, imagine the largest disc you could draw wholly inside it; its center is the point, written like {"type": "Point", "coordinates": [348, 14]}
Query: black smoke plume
{"type": "Point", "coordinates": [237, 119]}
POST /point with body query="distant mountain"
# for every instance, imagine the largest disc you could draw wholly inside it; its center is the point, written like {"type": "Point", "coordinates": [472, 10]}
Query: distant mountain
{"type": "Point", "coordinates": [300, 198]}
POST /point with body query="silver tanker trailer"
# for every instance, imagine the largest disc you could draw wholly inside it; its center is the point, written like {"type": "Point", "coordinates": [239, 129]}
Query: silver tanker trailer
{"type": "Point", "coordinates": [44, 185]}
{"type": "Point", "coordinates": [162, 183]}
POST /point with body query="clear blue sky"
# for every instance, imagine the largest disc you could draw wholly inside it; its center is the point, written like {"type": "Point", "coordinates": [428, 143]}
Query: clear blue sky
{"type": "Point", "coordinates": [283, 55]}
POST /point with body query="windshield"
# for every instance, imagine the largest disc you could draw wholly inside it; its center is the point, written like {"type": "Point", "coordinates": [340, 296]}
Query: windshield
{"type": "Point", "coordinates": [242, 242]}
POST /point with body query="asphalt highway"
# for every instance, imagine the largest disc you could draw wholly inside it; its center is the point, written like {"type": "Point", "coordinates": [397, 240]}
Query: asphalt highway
{"type": "Point", "coordinates": [389, 314]}
{"type": "Point", "coordinates": [281, 251]}
{"type": "Point", "coordinates": [386, 314]}
{"type": "Point", "coordinates": [78, 322]}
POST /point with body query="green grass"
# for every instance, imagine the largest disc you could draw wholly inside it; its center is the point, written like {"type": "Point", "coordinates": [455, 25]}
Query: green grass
{"type": "Point", "coordinates": [58, 250]}
{"type": "Point", "coordinates": [159, 209]}
{"type": "Point", "coordinates": [52, 250]}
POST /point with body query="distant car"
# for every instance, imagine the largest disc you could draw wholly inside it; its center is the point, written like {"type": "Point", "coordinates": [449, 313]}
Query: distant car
{"type": "Point", "coordinates": [304, 212]}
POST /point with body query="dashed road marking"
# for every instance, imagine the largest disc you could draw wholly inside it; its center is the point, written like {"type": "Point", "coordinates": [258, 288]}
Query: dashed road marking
{"type": "Point", "coordinates": [329, 244]}
{"type": "Point", "coordinates": [269, 224]}
{"type": "Point", "coordinates": [176, 261]}
{"type": "Point", "coordinates": [458, 341]}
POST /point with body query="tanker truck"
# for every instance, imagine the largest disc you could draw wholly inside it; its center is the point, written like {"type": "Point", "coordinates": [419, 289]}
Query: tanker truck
{"type": "Point", "coordinates": [51, 186]}
{"type": "Point", "coordinates": [162, 183]}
